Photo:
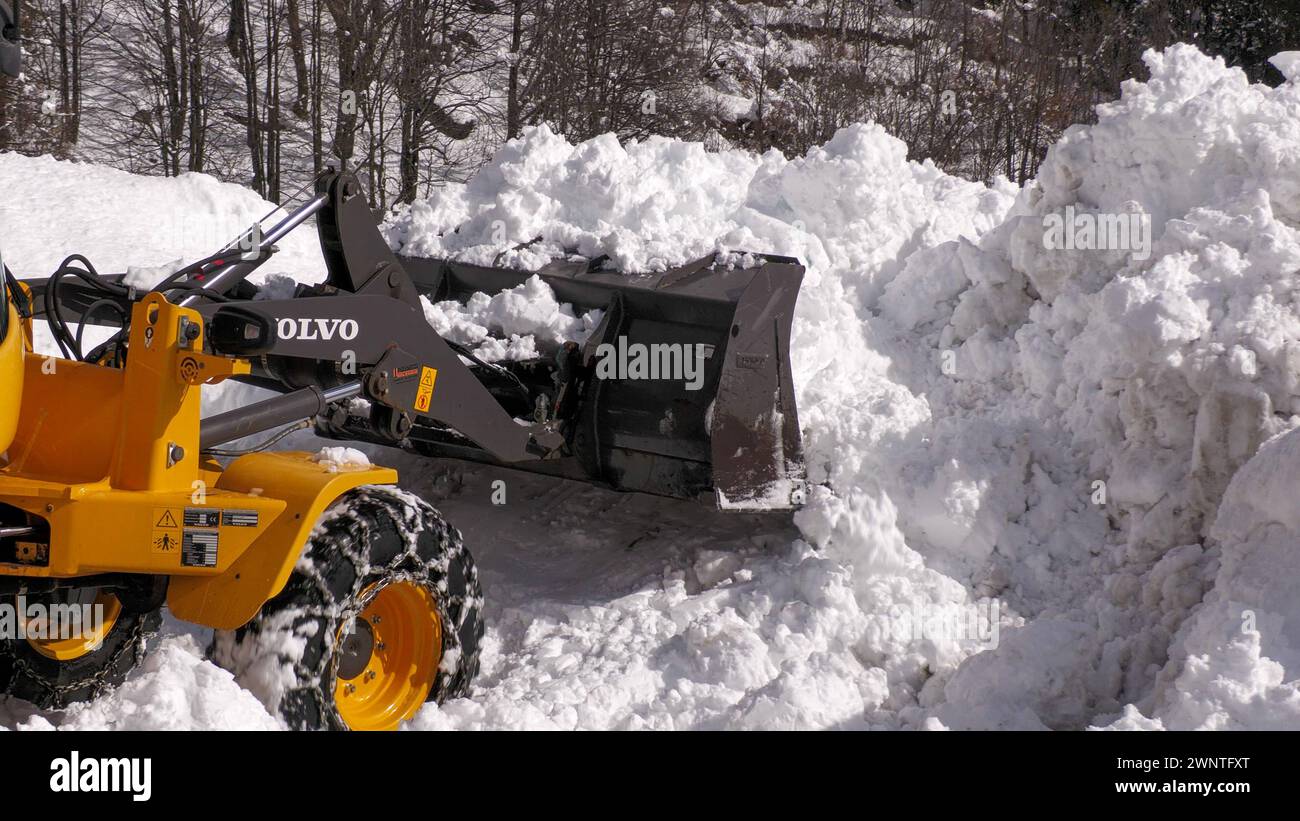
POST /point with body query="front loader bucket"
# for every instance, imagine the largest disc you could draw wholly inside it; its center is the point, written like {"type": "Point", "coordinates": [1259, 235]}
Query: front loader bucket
{"type": "Point", "coordinates": [732, 430]}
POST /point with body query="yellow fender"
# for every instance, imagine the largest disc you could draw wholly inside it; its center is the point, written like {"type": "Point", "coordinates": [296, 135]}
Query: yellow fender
{"type": "Point", "coordinates": [231, 599]}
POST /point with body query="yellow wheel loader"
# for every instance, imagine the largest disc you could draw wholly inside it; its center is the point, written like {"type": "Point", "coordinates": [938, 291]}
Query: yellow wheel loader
{"type": "Point", "coordinates": [118, 498]}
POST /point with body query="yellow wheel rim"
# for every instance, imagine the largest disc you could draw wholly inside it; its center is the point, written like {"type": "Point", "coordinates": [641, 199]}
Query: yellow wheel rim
{"type": "Point", "coordinates": [89, 639]}
{"type": "Point", "coordinates": [401, 627]}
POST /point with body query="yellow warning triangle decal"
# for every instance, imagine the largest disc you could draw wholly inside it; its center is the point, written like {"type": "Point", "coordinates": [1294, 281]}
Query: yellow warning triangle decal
{"type": "Point", "coordinates": [167, 520]}
{"type": "Point", "coordinates": [426, 379]}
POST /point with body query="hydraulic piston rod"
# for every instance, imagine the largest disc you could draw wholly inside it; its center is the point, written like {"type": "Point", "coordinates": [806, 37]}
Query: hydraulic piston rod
{"type": "Point", "coordinates": [228, 276]}
{"type": "Point", "coordinates": [295, 406]}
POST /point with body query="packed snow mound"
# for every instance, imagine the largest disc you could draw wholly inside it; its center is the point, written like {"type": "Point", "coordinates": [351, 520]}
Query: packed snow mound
{"type": "Point", "coordinates": [642, 204]}
{"type": "Point", "coordinates": [120, 221]}
{"type": "Point", "coordinates": [658, 203]}
{"type": "Point", "coordinates": [1235, 664]}
{"type": "Point", "coordinates": [1163, 365]}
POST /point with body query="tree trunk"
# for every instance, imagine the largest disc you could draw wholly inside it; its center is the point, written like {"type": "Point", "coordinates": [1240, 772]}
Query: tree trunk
{"type": "Point", "coordinates": [296, 46]}
{"type": "Point", "coordinates": [513, 123]}
{"type": "Point", "coordinates": [65, 75]}
{"type": "Point", "coordinates": [317, 93]}
{"type": "Point", "coordinates": [239, 40]}
{"type": "Point", "coordinates": [271, 23]}
{"type": "Point", "coordinates": [173, 124]}
{"type": "Point", "coordinates": [345, 34]}
{"type": "Point", "coordinates": [192, 33]}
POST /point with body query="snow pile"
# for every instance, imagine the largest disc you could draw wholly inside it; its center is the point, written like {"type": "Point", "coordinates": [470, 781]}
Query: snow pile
{"type": "Point", "coordinates": [732, 655]}
{"type": "Point", "coordinates": [1092, 405]}
{"type": "Point", "coordinates": [173, 689]}
{"type": "Point", "coordinates": [1166, 366]}
{"type": "Point", "coordinates": [1234, 662]}
{"type": "Point", "coordinates": [119, 220]}
{"type": "Point", "coordinates": [644, 205]}
{"type": "Point", "coordinates": [523, 315]}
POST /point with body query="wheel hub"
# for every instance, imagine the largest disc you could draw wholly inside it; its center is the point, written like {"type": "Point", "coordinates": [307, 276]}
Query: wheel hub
{"type": "Point", "coordinates": [356, 649]}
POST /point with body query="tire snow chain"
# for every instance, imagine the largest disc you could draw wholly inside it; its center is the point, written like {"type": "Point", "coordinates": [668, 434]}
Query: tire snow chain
{"type": "Point", "coordinates": [397, 509]}
{"type": "Point", "coordinates": [98, 682]}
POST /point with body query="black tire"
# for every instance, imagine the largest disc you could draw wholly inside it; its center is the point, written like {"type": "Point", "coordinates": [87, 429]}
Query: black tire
{"type": "Point", "coordinates": [371, 537]}
{"type": "Point", "coordinates": [52, 684]}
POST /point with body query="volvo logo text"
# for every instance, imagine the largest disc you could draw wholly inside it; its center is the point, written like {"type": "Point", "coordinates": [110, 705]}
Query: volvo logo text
{"type": "Point", "coordinates": [317, 330]}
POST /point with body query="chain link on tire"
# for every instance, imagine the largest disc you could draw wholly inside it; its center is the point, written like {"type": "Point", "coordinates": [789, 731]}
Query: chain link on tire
{"type": "Point", "coordinates": [51, 684]}
{"type": "Point", "coordinates": [372, 537]}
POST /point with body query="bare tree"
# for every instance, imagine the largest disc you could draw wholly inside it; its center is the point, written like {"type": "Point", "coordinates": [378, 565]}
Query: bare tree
{"type": "Point", "coordinates": [298, 50]}
{"type": "Point", "coordinates": [438, 52]}
{"type": "Point", "coordinates": [363, 32]}
{"type": "Point", "coordinates": [154, 85]}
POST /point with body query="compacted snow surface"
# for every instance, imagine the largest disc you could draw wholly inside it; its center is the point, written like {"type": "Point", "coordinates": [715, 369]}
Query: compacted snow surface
{"type": "Point", "coordinates": [1051, 488]}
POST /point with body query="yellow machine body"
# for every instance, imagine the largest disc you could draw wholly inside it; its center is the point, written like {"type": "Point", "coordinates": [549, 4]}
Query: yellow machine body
{"type": "Point", "coordinates": [107, 461]}
{"type": "Point", "coordinates": [11, 377]}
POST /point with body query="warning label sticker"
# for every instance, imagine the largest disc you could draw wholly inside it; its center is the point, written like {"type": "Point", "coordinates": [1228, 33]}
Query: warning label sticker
{"type": "Point", "coordinates": [239, 518]}
{"type": "Point", "coordinates": [166, 541]}
{"type": "Point", "coordinates": [166, 535]}
{"type": "Point", "coordinates": [425, 394]}
{"type": "Point", "coordinates": [199, 548]}
{"type": "Point", "coordinates": [202, 517]}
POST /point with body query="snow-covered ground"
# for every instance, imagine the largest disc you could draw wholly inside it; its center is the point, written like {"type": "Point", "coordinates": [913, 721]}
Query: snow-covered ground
{"type": "Point", "coordinates": [1036, 496]}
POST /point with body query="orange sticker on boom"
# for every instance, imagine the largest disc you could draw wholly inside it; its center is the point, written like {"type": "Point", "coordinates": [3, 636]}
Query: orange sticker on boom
{"type": "Point", "coordinates": [425, 395]}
